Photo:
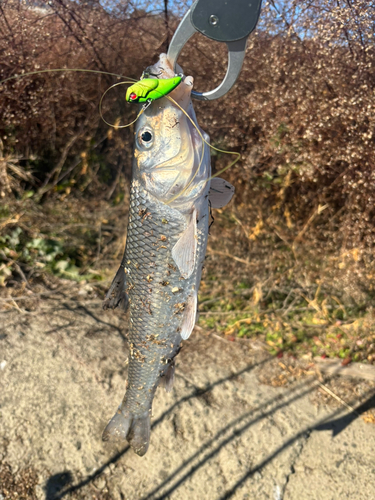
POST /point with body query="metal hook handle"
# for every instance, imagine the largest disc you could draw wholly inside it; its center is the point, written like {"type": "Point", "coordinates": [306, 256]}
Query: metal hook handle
{"type": "Point", "coordinates": [226, 27]}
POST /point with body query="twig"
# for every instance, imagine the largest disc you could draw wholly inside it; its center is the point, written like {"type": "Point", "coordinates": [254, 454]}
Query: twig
{"type": "Point", "coordinates": [225, 254]}
{"type": "Point", "coordinates": [299, 236]}
{"type": "Point", "coordinates": [17, 307]}
{"type": "Point", "coordinates": [12, 262]}
{"type": "Point", "coordinates": [219, 338]}
{"type": "Point", "coordinates": [21, 273]}
{"type": "Point", "coordinates": [11, 220]}
{"type": "Point", "coordinates": [290, 307]}
{"type": "Point", "coordinates": [333, 395]}
{"type": "Point", "coordinates": [33, 295]}
{"type": "Point", "coordinates": [60, 163]}
{"type": "Point", "coordinates": [210, 301]}
{"type": "Point", "coordinates": [115, 182]}
{"type": "Point", "coordinates": [287, 298]}
{"type": "Point", "coordinates": [166, 22]}
{"type": "Point", "coordinates": [218, 313]}
{"type": "Point", "coordinates": [77, 162]}
{"type": "Point", "coordinates": [334, 367]}
{"type": "Point", "coordinates": [99, 242]}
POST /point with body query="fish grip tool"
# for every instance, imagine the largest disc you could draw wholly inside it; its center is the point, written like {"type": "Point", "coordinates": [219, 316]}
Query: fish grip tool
{"type": "Point", "coordinates": [227, 21]}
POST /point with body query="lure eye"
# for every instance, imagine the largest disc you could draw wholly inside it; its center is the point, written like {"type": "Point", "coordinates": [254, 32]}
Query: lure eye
{"type": "Point", "coordinates": [133, 96]}
{"type": "Point", "coordinates": [145, 138]}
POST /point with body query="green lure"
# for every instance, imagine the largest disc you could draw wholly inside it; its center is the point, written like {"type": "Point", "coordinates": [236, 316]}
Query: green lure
{"type": "Point", "coordinates": [150, 89]}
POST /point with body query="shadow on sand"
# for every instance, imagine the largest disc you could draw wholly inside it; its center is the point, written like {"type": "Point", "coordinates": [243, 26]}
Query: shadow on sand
{"type": "Point", "coordinates": [60, 485]}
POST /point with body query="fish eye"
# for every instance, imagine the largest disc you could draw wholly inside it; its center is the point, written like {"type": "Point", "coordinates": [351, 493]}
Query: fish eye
{"type": "Point", "coordinates": [145, 138]}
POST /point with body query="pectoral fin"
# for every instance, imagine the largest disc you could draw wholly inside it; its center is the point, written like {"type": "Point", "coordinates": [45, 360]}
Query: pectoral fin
{"type": "Point", "coordinates": [190, 314]}
{"type": "Point", "coordinates": [220, 193]}
{"type": "Point", "coordinates": [184, 252]}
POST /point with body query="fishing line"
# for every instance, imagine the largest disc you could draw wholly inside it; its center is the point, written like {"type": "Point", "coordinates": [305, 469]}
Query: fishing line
{"type": "Point", "coordinates": [202, 155]}
{"type": "Point", "coordinates": [238, 155]}
{"type": "Point", "coordinates": [210, 145]}
{"type": "Point", "coordinates": [79, 70]}
{"type": "Point", "coordinates": [60, 70]}
{"type": "Point", "coordinates": [144, 107]}
{"type": "Point", "coordinates": [201, 160]}
{"type": "Point", "coordinates": [101, 111]}
{"type": "Point", "coordinates": [131, 81]}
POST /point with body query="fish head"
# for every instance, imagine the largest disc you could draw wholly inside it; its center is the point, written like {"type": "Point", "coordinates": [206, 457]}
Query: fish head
{"type": "Point", "coordinates": [170, 158]}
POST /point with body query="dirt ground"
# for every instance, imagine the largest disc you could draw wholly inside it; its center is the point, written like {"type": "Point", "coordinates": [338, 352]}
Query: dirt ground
{"type": "Point", "coordinates": [235, 425]}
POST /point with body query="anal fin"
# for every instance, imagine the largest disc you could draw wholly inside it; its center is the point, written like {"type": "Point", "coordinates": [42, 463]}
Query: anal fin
{"type": "Point", "coordinates": [169, 377]}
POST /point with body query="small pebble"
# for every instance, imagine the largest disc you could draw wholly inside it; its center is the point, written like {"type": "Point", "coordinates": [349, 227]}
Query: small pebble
{"type": "Point", "coordinates": [100, 483]}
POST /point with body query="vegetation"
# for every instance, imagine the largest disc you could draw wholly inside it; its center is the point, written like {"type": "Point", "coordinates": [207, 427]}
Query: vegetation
{"type": "Point", "coordinates": [291, 260]}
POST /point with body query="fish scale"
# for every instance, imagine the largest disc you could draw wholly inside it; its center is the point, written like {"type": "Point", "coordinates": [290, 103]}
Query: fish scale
{"type": "Point", "coordinates": [157, 295]}
{"type": "Point", "coordinates": [154, 228]}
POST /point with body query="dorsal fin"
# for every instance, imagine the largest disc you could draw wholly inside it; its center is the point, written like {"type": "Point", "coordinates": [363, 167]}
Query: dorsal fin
{"type": "Point", "coordinates": [220, 193]}
{"type": "Point", "coordinates": [116, 295]}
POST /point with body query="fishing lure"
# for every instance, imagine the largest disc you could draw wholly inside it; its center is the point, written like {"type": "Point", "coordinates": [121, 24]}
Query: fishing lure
{"type": "Point", "coordinates": [150, 89]}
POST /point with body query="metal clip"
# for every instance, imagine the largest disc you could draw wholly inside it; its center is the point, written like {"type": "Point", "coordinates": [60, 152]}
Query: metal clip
{"type": "Point", "coordinates": [225, 21]}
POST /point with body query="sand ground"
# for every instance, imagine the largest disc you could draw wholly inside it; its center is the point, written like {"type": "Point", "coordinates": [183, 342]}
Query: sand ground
{"type": "Point", "coordinates": [225, 431]}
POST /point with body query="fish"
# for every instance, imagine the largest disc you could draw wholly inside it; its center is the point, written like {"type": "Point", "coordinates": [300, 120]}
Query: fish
{"type": "Point", "coordinates": [160, 273]}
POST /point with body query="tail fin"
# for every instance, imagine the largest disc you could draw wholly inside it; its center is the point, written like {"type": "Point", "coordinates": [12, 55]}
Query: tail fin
{"type": "Point", "coordinates": [135, 429]}
{"type": "Point", "coordinates": [116, 295]}
{"type": "Point", "coordinates": [117, 428]}
{"type": "Point", "coordinates": [139, 434]}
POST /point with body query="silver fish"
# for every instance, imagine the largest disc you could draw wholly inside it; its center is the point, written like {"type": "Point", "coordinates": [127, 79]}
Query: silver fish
{"type": "Point", "coordinates": [160, 273]}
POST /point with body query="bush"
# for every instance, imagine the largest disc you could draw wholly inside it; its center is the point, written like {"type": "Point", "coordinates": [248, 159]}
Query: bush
{"type": "Point", "coordinates": [302, 115]}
